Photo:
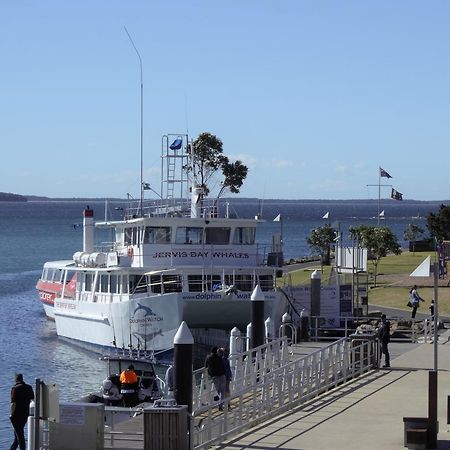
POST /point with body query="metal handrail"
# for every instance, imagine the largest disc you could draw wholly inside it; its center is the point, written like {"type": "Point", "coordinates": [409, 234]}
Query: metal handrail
{"type": "Point", "coordinates": [285, 387]}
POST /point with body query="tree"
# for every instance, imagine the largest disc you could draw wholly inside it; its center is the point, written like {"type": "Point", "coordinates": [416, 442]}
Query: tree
{"type": "Point", "coordinates": [439, 224]}
{"type": "Point", "coordinates": [412, 233]}
{"type": "Point", "coordinates": [208, 160]}
{"type": "Point", "coordinates": [320, 240]}
{"type": "Point", "coordinates": [235, 174]}
{"type": "Point", "coordinates": [379, 241]}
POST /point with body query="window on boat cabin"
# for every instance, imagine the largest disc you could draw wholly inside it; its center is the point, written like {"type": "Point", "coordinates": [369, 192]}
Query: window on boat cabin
{"type": "Point", "coordinates": [266, 282]}
{"type": "Point", "coordinates": [157, 235]}
{"type": "Point", "coordinates": [213, 282]}
{"type": "Point", "coordinates": [189, 235]}
{"type": "Point", "coordinates": [88, 281]}
{"type": "Point", "coordinates": [137, 284]}
{"type": "Point", "coordinates": [244, 236]}
{"type": "Point", "coordinates": [217, 235]}
{"type": "Point", "coordinates": [131, 236]}
{"type": "Point", "coordinates": [71, 274]}
{"type": "Point", "coordinates": [104, 282]}
{"type": "Point", "coordinates": [49, 275]}
{"type": "Point", "coordinates": [195, 283]}
{"type": "Point", "coordinates": [114, 284]}
{"type": "Point", "coordinates": [244, 282]}
{"type": "Point", "coordinates": [155, 284]}
{"type": "Point", "coordinates": [60, 276]}
{"type": "Point", "coordinates": [171, 283]}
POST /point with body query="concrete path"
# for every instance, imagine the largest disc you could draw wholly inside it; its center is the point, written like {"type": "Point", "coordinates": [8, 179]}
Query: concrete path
{"type": "Point", "coordinates": [364, 414]}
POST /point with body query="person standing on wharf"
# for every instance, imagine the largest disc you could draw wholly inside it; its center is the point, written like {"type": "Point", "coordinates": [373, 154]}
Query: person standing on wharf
{"type": "Point", "coordinates": [21, 396]}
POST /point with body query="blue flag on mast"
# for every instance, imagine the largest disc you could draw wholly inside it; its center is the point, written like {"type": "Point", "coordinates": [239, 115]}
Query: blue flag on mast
{"type": "Point", "coordinates": [176, 144]}
{"type": "Point", "coordinates": [383, 173]}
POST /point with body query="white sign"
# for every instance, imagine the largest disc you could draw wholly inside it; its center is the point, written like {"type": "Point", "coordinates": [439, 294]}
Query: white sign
{"type": "Point", "coordinates": [72, 415]}
{"type": "Point", "coordinates": [194, 255]}
{"type": "Point", "coordinates": [351, 258]}
{"type": "Point", "coordinates": [329, 303]}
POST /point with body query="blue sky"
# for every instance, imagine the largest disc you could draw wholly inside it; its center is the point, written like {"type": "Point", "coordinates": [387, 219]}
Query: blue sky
{"type": "Point", "coordinates": [313, 96]}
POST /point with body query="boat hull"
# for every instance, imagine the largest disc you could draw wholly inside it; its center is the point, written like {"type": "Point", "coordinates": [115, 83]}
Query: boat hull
{"type": "Point", "coordinates": [151, 322]}
{"type": "Point", "coordinates": [147, 323]}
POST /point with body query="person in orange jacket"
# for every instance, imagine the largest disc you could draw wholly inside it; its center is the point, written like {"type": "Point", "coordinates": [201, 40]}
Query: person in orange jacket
{"type": "Point", "coordinates": [129, 386]}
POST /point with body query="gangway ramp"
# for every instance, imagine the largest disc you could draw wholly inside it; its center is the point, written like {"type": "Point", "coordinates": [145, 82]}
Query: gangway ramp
{"type": "Point", "coordinates": [262, 393]}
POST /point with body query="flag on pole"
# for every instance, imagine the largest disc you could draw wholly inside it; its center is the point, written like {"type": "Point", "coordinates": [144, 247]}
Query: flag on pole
{"type": "Point", "coordinates": [278, 218]}
{"type": "Point", "coordinates": [396, 195]}
{"type": "Point", "coordinates": [176, 144]}
{"type": "Point", "coordinates": [326, 215]}
{"type": "Point", "coordinates": [146, 186]}
{"type": "Point", "coordinates": [383, 173]}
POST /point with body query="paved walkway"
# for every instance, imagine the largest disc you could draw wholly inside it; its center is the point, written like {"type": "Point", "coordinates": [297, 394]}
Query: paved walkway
{"type": "Point", "coordinates": [364, 414]}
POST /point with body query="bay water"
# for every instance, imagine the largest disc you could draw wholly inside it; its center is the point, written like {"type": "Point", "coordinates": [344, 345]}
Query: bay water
{"type": "Point", "coordinates": [32, 233]}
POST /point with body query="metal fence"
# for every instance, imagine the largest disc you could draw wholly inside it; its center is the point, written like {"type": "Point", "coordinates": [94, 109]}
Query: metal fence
{"type": "Point", "coordinates": [275, 391]}
{"type": "Point", "coordinates": [402, 329]}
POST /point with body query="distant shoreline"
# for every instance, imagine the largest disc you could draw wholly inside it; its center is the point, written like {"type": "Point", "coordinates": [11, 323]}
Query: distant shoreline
{"type": "Point", "coordinates": [10, 197]}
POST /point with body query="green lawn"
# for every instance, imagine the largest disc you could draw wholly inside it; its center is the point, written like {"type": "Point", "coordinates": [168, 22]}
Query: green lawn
{"type": "Point", "coordinates": [393, 282]}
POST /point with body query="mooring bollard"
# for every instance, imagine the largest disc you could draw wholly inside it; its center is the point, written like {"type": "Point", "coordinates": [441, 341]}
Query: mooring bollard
{"type": "Point", "coordinates": [269, 329]}
{"type": "Point", "coordinates": [30, 427]}
{"type": "Point", "coordinates": [235, 341]}
{"type": "Point", "coordinates": [257, 301]}
{"type": "Point", "coordinates": [248, 337]}
{"type": "Point", "coordinates": [183, 346]}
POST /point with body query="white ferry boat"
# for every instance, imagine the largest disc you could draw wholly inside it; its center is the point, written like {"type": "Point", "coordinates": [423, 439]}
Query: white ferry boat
{"type": "Point", "coordinates": [174, 260]}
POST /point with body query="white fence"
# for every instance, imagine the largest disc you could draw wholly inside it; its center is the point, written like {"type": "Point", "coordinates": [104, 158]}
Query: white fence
{"type": "Point", "coordinates": [402, 329]}
{"type": "Point", "coordinates": [265, 383]}
{"type": "Point", "coordinates": [275, 391]}
{"type": "Point", "coordinates": [246, 368]}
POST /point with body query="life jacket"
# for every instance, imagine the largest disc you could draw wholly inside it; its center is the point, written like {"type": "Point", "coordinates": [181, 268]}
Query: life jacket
{"type": "Point", "coordinates": [128, 377]}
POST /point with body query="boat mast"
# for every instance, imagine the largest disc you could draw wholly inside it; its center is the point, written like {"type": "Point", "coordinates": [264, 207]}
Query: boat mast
{"type": "Point", "coordinates": [142, 126]}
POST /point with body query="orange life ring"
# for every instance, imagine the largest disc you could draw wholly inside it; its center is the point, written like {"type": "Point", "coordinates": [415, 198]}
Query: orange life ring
{"type": "Point", "coordinates": [130, 252]}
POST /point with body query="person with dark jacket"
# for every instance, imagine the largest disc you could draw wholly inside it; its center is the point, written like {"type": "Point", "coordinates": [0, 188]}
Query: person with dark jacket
{"type": "Point", "coordinates": [21, 396]}
{"type": "Point", "coordinates": [384, 333]}
{"type": "Point", "coordinates": [216, 370]}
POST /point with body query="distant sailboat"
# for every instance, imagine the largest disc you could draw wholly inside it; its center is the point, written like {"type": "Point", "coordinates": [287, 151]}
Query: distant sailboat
{"type": "Point", "coordinates": [326, 215]}
{"type": "Point", "coordinates": [382, 214]}
{"type": "Point", "coordinates": [258, 216]}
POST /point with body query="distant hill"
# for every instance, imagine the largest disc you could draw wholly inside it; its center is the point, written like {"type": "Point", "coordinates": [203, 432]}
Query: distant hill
{"type": "Point", "coordinates": [8, 197]}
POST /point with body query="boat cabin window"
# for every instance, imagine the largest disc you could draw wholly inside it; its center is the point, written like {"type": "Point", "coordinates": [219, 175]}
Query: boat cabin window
{"type": "Point", "coordinates": [103, 284]}
{"type": "Point", "coordinates": [243, 282]}
{"type": "Point", "coordinates": [189, 235]}
{"type": "Point", "coordinates": [157, 235]}
{"type": "Point", "coordinates": [114, 284]}
{"type": "Point", "coordinates": [200, 283]}
{"type": "Point", "coordinates": [213, 282]}
{"type": "Point", "coordinates": [244, 236]}
{"type": "Point", "coordinates": [155, 284]}
{"type": "Point", "coordinates": [217, 235]}
{"type": "Point", "coordinates": [88, 281]}
{"type": "Point", "coordinates": [172, 283]}
{"type": "Point", "coordinates": [132, 236]}
{"type": "Point", "coordinates": [53, 275]}
{"type": "Point", "coordinates": [137, 284]}
{"type": "Point", "coordinates": [266, 282]}
{"type": "Point", "coordinates": [195, 283]}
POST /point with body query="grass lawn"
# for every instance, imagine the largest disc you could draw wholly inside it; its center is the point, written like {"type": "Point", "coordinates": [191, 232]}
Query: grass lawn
{"type": "Point", "coordinates": [393, 282]}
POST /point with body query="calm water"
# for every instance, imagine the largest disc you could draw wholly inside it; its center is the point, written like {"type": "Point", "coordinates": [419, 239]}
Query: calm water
{"type": "Point", "coordinates": [35, 232]}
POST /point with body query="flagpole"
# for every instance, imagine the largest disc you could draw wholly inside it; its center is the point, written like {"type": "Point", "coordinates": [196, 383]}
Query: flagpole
{"type": "Point", "coordinates": [379, 194]}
